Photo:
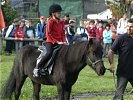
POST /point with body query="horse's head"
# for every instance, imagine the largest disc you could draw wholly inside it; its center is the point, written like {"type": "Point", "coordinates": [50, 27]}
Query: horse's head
{"type": "Point", "coordinates": [94, 57]}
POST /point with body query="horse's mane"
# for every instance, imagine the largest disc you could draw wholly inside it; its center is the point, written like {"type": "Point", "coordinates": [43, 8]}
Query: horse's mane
{"type": "Point", "coordinates": [74, 52]}
{"type": "Point", "coordinates": [78, 50]}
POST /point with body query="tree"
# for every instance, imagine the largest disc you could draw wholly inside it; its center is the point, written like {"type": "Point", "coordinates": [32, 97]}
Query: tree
{"type": "Point", "coordinates": [119, 7]}
{"type": "Point", "coordinates": [9, 14]}
{"type": "Point", "coordinates": [117, 10]}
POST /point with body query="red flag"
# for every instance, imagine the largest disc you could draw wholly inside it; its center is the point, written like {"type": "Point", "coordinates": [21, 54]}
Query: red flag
{"type": "Point", "coordinates": [2, 22]}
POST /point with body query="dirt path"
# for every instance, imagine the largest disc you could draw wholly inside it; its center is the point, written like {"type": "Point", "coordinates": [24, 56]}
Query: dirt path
{"type": "Point", "coordinates": [85, 95]}
{"type": "Point", "coordinates": [91, 95]}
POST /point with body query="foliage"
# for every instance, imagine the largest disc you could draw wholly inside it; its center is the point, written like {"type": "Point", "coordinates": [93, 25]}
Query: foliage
{"type": "Point", "coordinates": [117, 10]}
{"type": "Point", "coordinates": [9, 14]}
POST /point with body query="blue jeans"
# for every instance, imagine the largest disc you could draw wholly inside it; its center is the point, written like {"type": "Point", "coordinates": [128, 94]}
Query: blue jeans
{"type": "Point", "coordinates": [18, 45]}
{"type": "Point", "coordinates": [121, 86]}
{"type": "Point", "coordinates": [106, 49]}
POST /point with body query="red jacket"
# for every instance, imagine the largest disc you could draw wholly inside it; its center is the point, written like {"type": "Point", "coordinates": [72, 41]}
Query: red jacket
{"type": "Point", "coordinates": [92, 32]}
{"type": "Point", "coordinates": [55, 31]}
{"type": "Point", "coordinates": [99, 33]}
{"type": "Point", "coordinates": [19, 32]}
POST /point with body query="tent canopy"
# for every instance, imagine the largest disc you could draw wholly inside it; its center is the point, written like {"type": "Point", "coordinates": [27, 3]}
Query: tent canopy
{"type": "Point", "coordinates": [102, 16]}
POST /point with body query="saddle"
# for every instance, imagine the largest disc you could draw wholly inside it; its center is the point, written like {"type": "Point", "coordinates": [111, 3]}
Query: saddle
{"type": "Point", "coordinates": [47, 70]}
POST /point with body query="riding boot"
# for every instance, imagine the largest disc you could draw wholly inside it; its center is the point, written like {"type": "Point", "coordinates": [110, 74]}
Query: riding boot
{"type": "Point", "coordinates": [36, 69]}
{"type": "Point", "coordinates": [40, 69]}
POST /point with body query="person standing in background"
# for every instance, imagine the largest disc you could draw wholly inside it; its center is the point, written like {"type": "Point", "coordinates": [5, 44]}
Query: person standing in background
{"type": "Point", "coordinates": [92, 29]}
{"type": "Point", "coordinates": [113, 29]}
{"type": "Point", "coordinates": [70, 32]}
{"type": "Point", "coordinates": [122, 23]}
{"type": "Point", "coordinates": [41, 28]}
{"type": "Point", "coordinates": [96, 23]}
{"type": "Point", "coordinates": [81, 33]}
{"type": "Point", "coordinates": [29, 31]}
{"type": "Point", "coordinates": [107, 39]}
{"type": "Point", "coordinates": [19, 36]}
{"type": "Point", "coordinates": [10, 45]}
{"type": "Point", "coordinates": [99, 32]}
{"type": "Point", "coordinates": [66, 19]}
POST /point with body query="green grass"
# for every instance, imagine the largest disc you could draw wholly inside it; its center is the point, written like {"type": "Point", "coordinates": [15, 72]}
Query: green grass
{"type": "Point", "coordinates": [88, 81]}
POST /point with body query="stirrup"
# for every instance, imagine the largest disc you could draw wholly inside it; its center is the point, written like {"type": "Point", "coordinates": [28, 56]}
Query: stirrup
{"type": "Point", "coordinates": [36, 72]}
{"type": "Point", "coordinates": [44, 71]}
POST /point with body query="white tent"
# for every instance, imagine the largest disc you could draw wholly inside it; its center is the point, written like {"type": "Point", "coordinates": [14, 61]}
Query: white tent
{"type": "Point", "coordinates": [105, 14]}
{"type": "Point", "coordinates": [102, 16]}
{"type": "Point", "coordinates": [92, 16]}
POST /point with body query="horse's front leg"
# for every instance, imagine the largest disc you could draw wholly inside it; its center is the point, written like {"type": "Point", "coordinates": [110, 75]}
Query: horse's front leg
{"type": "Point", "coordinates": [60, 89]}
{"type": "Point", "coordinates": [63, 92]}
{"type": "Point", "coordinates": [67, 92]}
{"type": "Point", "coordinates": [36, 90]}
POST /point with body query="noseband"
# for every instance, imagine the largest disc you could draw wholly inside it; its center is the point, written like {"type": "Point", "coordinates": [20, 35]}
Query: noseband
{"type": "Point", "coordinates": [94, 63]}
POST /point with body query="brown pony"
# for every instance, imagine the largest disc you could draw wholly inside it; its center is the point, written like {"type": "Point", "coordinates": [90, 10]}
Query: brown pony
{"type": "Point", "coordinates": [70, 60]}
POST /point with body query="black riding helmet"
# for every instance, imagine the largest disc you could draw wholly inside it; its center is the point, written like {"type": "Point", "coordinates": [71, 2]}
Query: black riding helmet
{"type": "Point", "coordinates": [54, 8]}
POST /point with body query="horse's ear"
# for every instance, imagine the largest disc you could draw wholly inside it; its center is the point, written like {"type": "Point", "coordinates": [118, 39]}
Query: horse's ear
{"type": "Point", "coordinates": [92, 44]}
{"type": "Point", "coordinates": [91, 41]}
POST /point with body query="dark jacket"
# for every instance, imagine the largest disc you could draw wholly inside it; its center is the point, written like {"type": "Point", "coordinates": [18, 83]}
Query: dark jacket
{"type": "Point", "coordinates": [41, 28]}
{"type": "Point", "coordinates": [29, 32]}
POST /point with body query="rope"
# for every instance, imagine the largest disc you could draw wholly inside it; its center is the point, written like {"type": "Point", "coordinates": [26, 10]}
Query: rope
{"type": "Point", "coordinates": [130, 92]}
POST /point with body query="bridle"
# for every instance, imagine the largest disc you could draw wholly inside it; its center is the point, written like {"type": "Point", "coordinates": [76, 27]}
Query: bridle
{"type": "Point", "coordinates": [94, 63]}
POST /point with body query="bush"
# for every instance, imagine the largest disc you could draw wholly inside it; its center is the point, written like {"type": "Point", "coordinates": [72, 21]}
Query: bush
{"type": "Point", "coordinates": [9, 14]}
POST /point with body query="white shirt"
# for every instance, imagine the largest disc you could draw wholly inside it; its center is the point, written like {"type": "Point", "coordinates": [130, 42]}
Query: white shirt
{"type": "Point", "coordinates": [81, 30]}
{"type": "Point", "coordinates": [9, 31]}
{"type": "Point", "coordinates": [121, 27]}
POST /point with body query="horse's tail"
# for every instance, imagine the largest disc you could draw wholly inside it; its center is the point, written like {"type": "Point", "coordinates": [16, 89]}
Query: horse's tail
{"type": "Point", "coordinates": [9, 86]}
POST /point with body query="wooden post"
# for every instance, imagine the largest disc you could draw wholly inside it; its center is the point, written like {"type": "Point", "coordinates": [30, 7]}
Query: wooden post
{"type": "Point", "coordinates": [2, 25]}
{"type": "Point", "coordinates": [1, 42]}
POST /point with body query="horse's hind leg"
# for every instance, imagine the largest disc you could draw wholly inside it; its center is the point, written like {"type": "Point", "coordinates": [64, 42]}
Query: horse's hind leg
{"type": "Point", "coordinates": [19, 83]}
{"type": "Point", "coordinates": [36, 89]}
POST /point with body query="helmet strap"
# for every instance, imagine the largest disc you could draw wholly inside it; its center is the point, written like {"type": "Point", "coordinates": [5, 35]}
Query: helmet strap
{"type": "Point", "coordinates": [54, 16]}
